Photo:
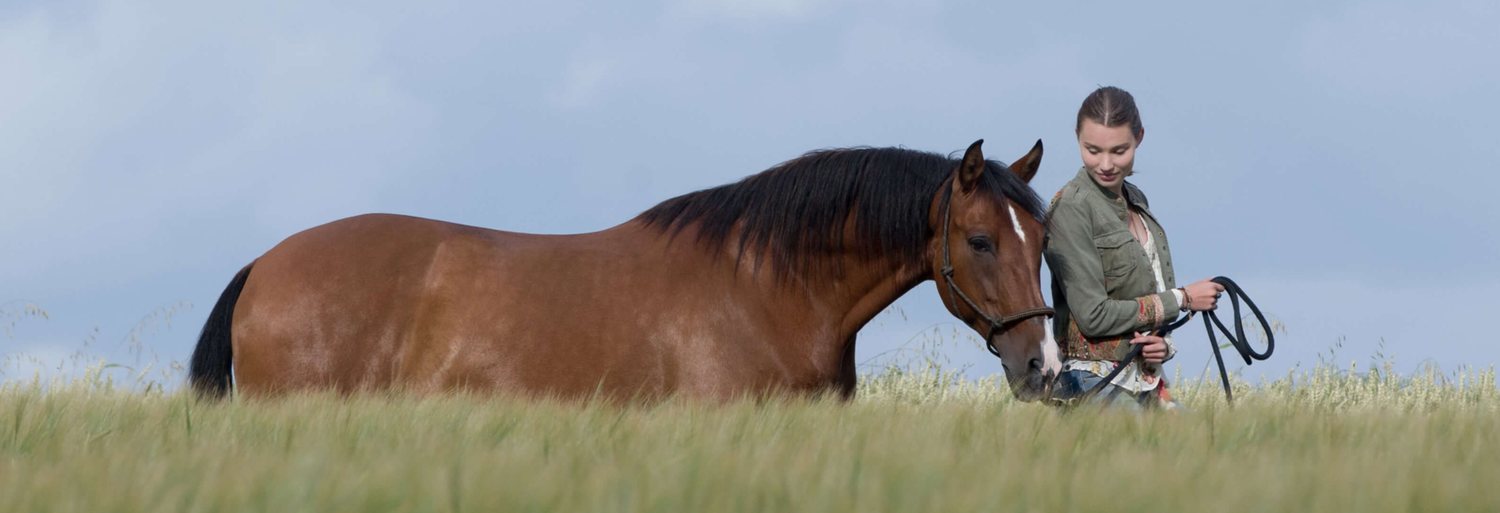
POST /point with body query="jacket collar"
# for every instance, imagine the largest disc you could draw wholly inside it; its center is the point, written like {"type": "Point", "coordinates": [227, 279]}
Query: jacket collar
{"type": "Point", "coordinates": [1116, 202]}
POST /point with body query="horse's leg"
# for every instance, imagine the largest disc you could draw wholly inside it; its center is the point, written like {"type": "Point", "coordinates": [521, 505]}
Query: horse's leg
{"type": "Point", "coordinates": [848, 375]}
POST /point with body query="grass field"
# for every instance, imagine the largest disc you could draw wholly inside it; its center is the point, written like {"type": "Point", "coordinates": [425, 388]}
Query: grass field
{"type": "Point", "coordinates": [1324, 440]}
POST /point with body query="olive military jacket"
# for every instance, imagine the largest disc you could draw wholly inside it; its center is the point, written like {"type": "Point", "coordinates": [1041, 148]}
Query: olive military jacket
{"type": "Point", "coordinates": [1103, 287]}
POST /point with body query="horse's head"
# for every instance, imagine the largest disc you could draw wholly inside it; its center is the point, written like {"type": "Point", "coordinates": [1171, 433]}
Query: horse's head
{"type": "Point", "coordinates": [988, 255]}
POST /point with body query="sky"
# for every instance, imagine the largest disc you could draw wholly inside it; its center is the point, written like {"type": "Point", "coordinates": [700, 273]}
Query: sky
{"type": "Point", "coordinates": [1330, 157]}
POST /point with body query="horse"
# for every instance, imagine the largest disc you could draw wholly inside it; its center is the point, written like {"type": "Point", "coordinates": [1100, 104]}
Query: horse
{"type": "Point", "coordinates": [754, 288]}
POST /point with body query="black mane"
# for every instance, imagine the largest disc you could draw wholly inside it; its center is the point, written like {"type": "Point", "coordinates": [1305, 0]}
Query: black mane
{"type": "Point", "coordinates": [794, 214]}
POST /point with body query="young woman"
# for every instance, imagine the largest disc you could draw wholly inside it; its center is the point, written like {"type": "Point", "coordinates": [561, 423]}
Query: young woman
{"type": "Point", "coordinates": [1112, 280]}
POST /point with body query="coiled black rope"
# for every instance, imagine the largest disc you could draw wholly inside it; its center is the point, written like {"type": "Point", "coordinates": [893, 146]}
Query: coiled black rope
{"type": "Point", "coordinates": [1240, 342]}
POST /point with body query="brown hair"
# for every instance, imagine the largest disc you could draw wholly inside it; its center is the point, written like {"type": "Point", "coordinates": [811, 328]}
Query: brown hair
{"type": "Point", "coordinates": [1110, 106]}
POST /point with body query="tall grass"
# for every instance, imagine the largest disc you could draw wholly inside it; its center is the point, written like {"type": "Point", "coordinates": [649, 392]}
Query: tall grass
{"type": "Point", "coordinates": [143, 368]}
{"type": "Point", "coordinates": [919, 437]}
{"type": "Point", "coordinates": [916, 439]}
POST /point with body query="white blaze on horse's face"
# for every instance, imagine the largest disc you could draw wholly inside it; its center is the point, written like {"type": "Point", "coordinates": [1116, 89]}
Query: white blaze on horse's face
{"type": "Point", "coordinates": [1031, 360]}
{"type": "Point", "coordinates": [1029, 356]}
{"type": "Point", "coordinates": [1051, 362]}
{"type": "Point", "coordinates": [1016, 223]}
{"type": "Point", "coordinates": [995, 259]}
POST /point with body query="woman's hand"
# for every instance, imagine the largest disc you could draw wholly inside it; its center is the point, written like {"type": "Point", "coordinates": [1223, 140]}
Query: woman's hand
{"type": "Point", "coordinates": [1154, 348]}
{"type": "Point", "coordinates": [1203, 295]}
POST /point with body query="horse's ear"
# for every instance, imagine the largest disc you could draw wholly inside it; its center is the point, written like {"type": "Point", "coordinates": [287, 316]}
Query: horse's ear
{"type": "Point", "coordinates": [972, 167]}
{"type": "Point", "coordinates": [1026, 166]}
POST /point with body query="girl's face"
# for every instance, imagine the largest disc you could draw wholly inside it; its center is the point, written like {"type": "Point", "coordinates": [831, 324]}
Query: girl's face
{"type": "Point", "coordinates": [1108, 152]}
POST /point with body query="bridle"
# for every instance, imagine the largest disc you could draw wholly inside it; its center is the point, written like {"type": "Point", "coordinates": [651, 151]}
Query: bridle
{"type": "Point", "coordinates": [997, 324]}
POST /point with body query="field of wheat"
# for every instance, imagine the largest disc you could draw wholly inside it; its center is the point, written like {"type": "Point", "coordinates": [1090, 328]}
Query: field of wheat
{"type": "Point", "coordinates": [913, 440]}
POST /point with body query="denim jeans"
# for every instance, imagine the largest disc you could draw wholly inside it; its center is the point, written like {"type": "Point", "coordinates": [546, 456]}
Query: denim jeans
{"type": "Point", "coordinates": [1074, 383]}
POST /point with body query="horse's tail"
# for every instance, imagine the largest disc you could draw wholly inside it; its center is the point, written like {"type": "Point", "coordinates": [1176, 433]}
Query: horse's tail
{"type": "Point", "coordinates": [209, 372]}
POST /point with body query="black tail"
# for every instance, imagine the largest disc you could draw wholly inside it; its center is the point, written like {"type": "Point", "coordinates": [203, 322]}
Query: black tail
{"type": "Point", "coordinates": [209, 373]}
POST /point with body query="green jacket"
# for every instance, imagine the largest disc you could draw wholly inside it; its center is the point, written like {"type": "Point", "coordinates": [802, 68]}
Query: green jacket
{"type": "Point", "coordinates": [1103, 287]}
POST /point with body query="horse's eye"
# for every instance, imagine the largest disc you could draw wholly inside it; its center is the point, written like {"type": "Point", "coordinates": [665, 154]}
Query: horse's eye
{"type": "Point", "coordinates": [981, 244]}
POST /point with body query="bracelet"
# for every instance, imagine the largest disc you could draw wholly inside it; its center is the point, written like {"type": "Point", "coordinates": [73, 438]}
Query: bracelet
{"type": "Point", "coordinates": [1187, 301]}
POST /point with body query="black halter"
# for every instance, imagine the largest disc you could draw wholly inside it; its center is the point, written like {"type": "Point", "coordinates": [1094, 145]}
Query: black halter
{"type": "Point", "coordinates": [997, 324]}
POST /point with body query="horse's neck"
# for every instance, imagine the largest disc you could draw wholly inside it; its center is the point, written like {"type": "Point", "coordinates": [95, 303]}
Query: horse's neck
{"type": "Point", "coordinates": [861, 291]}
{"type": "Point", "coordinates": [867, 293]}
{"type": "Point", "coordinates": [843, 302]}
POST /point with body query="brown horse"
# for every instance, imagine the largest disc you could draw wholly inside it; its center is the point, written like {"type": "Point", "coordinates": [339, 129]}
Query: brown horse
{"type": "Point", "coordinates": [751, 288]}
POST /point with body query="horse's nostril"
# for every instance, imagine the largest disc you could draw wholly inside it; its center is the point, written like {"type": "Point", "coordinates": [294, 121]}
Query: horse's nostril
{"type": "Point", "coordinates": [1034, 364]}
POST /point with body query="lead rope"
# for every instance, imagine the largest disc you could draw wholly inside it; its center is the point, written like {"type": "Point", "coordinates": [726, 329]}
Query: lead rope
{"type": "Point", "coordinates": [1240, 342]}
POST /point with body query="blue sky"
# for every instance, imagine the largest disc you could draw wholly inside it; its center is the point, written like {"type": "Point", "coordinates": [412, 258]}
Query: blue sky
{"type": "Point", "coordinates": [1334, 158]}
